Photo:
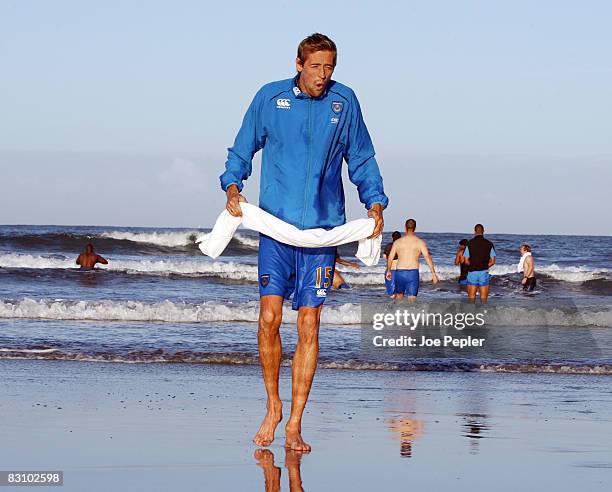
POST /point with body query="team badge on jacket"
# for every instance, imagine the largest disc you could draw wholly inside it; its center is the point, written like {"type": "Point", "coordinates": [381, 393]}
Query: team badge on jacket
{"type": "Point", "coordinates": [265, 280]}
{"type": "Point", "coordinates": [337, 107]}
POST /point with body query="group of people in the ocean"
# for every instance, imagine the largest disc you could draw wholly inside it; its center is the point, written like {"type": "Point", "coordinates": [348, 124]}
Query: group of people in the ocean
{"type": "Point", "coordinates": [474, 257]}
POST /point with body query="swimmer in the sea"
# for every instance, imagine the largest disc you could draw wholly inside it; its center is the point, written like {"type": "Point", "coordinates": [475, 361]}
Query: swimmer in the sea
{"type": "Point", "coordinates": [527, 267]}
{"type": "Point", "coordinates": [479, 255]}
{"type": "Point", "coordinates": [88, 259]}
{"type": "Point", "coordinates": [461, 263]}
{"type": "Point", "coordinates": [408, 250]}
{"type": "Point", "coordinates": [390, 284]}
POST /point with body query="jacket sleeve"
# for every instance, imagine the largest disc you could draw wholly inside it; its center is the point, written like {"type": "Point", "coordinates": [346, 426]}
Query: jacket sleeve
{"type": "Point", "coordinates": [249, 140]}
{"type": "Point", "coordinates": [362, 166]}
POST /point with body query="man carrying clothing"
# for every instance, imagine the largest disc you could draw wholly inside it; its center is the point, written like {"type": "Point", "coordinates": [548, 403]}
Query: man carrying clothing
{"type": "Point", "coordinates": [306, 126]}
{"type": "Point", "coordinates": [527, 267]}
{"type": "Point", "coordinates": [408, 250]}
{"type": "Point", "coordinates": [479, 255]}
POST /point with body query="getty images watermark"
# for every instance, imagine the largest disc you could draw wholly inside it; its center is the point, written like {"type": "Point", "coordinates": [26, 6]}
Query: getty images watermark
{"type": "Point", "coordinates": [409, 319]}
{"type": "Point", "coordinates": [514, 330]}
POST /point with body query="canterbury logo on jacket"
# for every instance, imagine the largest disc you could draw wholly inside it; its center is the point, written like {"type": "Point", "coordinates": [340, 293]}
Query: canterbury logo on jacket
{"type": "Point", "coordinates": [304, 142]}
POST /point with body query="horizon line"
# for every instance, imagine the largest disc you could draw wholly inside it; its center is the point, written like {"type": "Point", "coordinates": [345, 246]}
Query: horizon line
{"type": "Point", "coordinates": [384, 231]}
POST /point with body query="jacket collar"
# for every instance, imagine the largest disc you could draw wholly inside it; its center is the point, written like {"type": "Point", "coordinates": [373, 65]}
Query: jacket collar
{"type": "Point", "coordinates": [297, 92]}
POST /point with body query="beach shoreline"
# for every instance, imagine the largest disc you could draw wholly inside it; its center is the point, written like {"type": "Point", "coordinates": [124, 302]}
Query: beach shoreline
{"type": "Point", "coordinates": [189, 427]}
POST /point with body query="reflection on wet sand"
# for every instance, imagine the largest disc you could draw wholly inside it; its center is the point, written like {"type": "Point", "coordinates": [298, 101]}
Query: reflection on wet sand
{"type": "Point", "coordinates": [474, 427]}
{"type": "Point", "coordinates": [475, 422]}
{"type": "Point", "coordinates": [404, 410]}
{"type": "Point", "coordinates": [408, 430]}
{"type": "Point", "coordinates": [272, 473]}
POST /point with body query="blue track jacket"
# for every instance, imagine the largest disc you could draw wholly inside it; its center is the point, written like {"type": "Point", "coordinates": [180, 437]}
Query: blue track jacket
{"type": "Point", "coordinates": [305, 140]}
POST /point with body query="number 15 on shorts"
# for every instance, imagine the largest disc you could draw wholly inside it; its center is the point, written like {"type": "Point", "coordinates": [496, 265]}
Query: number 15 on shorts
{"type": "Point", "coordinates": [324, 274]}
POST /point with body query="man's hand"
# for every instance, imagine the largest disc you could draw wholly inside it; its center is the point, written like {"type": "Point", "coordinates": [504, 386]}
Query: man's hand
{"type": "Point", "coordinates": [524, 281]}
{"type": "Point", "coordinates": [388, 275]}
{"type": "Point", "coordinates": [376, 213]}
{"type": "Point", "coordinates": [233, 200]}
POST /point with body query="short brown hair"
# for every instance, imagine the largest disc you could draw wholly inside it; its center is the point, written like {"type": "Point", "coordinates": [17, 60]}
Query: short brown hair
{"type": "Point", "coordinates": [410, 225]}
{"type": "Point", "coordinates": [316, 42]}
{"type": "Point", "coordinates": [526, 247]}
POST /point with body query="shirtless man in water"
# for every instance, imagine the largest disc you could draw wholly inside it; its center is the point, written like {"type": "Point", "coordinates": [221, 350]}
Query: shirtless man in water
{"type": "Point", "coordinates": [88, 259]}
{"type": "Point", "coordinates": [408, 250]}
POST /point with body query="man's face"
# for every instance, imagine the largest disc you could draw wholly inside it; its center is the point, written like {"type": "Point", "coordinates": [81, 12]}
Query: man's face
{"type": "Point", "coordinates": [315, 72]}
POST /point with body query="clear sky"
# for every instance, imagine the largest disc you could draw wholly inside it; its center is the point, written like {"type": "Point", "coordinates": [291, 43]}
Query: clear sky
{"type": "Point", "coordinates": [120, 113]}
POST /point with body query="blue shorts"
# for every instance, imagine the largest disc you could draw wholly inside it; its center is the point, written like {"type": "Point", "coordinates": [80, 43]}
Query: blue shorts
{"type": "Point", "coordinates": [283, 270]}
{"type": "Point", "coordinates": [479, 279]}
{"type": "Point", "coordinates": [390, 284]}
{"type": "Point", "coordinates": [407, 282]}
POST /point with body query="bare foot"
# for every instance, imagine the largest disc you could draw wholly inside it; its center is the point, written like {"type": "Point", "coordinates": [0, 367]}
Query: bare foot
{"type": "Point", "coordinates": [293, 440]}
{"type": "Point", "coordinates": [265, 434]}
{"type": "Point", "coordinates": [272, 473]}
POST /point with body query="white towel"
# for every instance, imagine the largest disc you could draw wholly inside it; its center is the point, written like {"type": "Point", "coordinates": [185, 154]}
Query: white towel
{"type": "Point", "coordinates": [214, 243]}
{"type": "Point", "coordinates": [519, 267]}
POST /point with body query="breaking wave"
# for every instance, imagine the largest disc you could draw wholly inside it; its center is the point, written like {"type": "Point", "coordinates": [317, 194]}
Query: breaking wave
{"type": "Point", "coordinates": [202, 266]}
{"type": "Point", "coordinates": [125, 242]}
{"type": "Point", "coordinates": [212, 311]}
{"type": "Point", "coordinates": [195, 357]}
{"type": "Point", "coordinates": [166, 239]}
{"type": "Point", "coordinates": [189, 267]}
{"type": "Point", "coordinates": [165, 311]}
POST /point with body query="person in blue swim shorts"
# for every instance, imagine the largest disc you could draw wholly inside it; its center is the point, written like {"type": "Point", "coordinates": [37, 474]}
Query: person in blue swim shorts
{"type": "Point", "coordinates": [409, 250]}
{"type": "Point", "coordinates": [479, 255]}
{"type": "Point", "coordinates": [390, 284]}
{"type": "Point", "coordinates": [307, 126]}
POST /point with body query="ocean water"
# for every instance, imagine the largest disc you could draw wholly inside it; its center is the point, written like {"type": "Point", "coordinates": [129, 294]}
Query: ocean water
{"type": "Point", "coordinates": [160, 299]}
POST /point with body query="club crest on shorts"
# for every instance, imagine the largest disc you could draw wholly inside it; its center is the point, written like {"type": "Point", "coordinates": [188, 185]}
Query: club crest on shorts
{"type": "Point", "coordinates": [337, 107]}
{"type": "Point", "coordinates": [264, 280]}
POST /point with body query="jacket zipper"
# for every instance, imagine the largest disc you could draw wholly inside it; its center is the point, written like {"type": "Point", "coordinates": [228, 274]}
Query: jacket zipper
{"type": "Point", "coordinates": [306, 188]}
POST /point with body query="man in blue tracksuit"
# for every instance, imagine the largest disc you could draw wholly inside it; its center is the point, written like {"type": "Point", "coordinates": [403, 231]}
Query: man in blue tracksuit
{"type": "Point", "coordinates": [306, 127]}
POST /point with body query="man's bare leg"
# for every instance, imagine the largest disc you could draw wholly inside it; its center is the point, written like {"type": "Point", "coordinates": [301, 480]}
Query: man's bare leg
{"type": "Point", "coordinates": [484, 293]}
{"type": "Point", "coordinates": [471, 290]}
{"type": "Point", "coordinates": [270, 355]}
{"type": "Point", "coordinates": [303, 371]}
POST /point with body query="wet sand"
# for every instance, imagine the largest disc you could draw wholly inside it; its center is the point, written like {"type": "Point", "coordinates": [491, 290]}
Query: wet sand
{"type": "Point", "coordinates": [115, 426]}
